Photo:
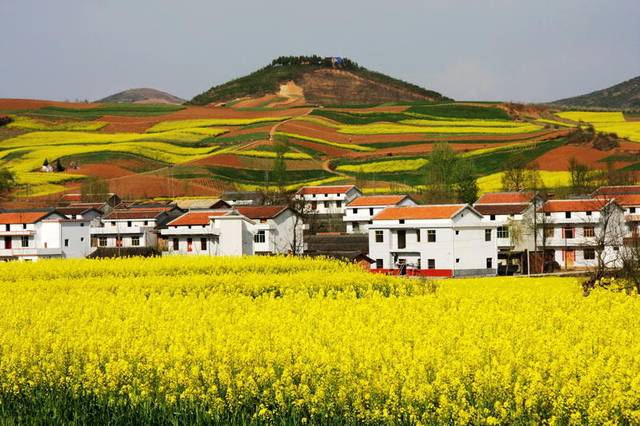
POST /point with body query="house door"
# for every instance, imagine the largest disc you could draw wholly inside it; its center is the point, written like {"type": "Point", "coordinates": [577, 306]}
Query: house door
{"type": "Point", "coordinates": [569, 258]}
{"type": "Point", "coordinates": [7, 243]}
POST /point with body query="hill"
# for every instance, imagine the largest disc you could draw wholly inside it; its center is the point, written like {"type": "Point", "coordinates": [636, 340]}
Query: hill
{"type": "Point", "coordinates": [625, 95]}
{"type": "Point", "coordinates": [142, 96]}
{"type": "Point", "coordinates": [323, 81]}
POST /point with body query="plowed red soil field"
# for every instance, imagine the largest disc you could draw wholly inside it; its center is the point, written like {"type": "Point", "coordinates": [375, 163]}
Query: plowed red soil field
{"type": "Point", "coordinates": [105, 171]}
{"type": "Point", "coordinates": [18, 104]}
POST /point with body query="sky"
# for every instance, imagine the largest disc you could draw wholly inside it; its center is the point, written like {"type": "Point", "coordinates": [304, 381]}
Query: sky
{"type": "Point", "coordinates": [508, 50]}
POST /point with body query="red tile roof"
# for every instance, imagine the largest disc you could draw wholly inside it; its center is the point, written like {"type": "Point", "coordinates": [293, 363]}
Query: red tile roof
{"type": "Point", "coordinates": [197, 218]}
{"type": "Point", "coordinates": [586, 205]}
{"type": "Point", "coordinates": [377, 200]}
{"type": "Point", "coordinates": [617, 190]}
{"type": "Point", "coordinates": [340, 189]}
{"type": "Point", "coordinates": [628, 199]}
{"type": "Point", "coordinates": [505, 198]}
{"type": "Point", "coordinates": [74, 210]}
{"type": "Point", "coordinates": [136, 213]}
{"type": "Point", "coordinates": [22, 217]}
{"type": "Point", "coordinates": [501, 209]}
{"type": "Point", "coordinates": [445, 211]}
{"type": "Point", "coordinates": [261, 212]}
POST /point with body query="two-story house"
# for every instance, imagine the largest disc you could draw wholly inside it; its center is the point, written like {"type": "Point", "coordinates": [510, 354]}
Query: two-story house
{"type": "Point", "coordinates": [34, 235]}
{"type": "Point", "coordinates": [209, 233]}
{"type": "Point", "coordinates": [328, 199]}
{"type": "Point", "coordinates": [132, 227]}
{"type": "Point", "coordinates": [514, 214]}
{"type": "Point", "coordinates": [433, 240]}
{"type": "Point", "coordinates": [359, 212]}
{"type": "Point", "coordinates": [574, 233]}
{"type": "Point", "coordinates": [277, 229]}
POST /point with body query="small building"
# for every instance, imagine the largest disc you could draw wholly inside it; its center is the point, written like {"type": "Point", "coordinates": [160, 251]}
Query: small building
{"type": "Point", "coordinates": [277, 229]}
{"type": "Point", "coordinates": [359, 212]}
{"type": "Point", "coordinates": [92, 214]}
{"type": "Point", "coordinates": [209, 233]}
{"type": "Point", "coordinates": [328, 199]}
{"type": "Point", "coordinates": [132, 227]}
{"type": "Point", "coordinates": [35, 235]}
{"type": "Point", "coordinates": [74, 198]}
{"type": "Point", "coordinates": [571, 231]}
{"type": "Point", "coordinates": [243, 198]}
{"type": "Point", "coordinates": [433, 240]}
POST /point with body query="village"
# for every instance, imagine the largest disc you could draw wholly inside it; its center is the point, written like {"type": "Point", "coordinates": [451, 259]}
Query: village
{"type": "Point", "coordinates": [502, 233]}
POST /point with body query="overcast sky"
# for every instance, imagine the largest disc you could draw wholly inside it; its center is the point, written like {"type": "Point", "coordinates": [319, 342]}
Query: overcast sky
{"type": "Point", "coordinates": [467, 49]}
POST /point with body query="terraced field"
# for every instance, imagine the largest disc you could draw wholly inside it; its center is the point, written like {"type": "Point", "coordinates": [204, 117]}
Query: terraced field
{"type": "Point", "coordinates": [169, 150]}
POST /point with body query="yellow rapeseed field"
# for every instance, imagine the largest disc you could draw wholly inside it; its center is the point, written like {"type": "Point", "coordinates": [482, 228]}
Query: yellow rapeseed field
{"type": "Point", "coordinates": [389, 166]}
{"type": "Point", "coordinates": [208, 122]}
{"type": "Point", "coordinates": [608, 122]}
{"type": "Point", "coordinates": [457, 127]}
{"type": "Point", "coordinates": [290, 341]}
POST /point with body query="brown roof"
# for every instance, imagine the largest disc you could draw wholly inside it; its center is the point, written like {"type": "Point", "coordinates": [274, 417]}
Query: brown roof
{"type": "Point", "coordinates": [617, 190]}
{"type": "Point", "coordinates": [586, 205]}
{"type": "Point", "coordinates": [444, 211]}
{"type": "Point", "coordinates": [261, 212]}
{"type": "Point", "coordinates": [74, 210]}
{"type": "Point", "coordinates": [501, 209]}
{"type": "Point", "coordinates": [137, 213]}
{"type": "Point", "coordinates": [505, 198]}
{"type": "Point", "coordinates": [339, 189]}
{"type": "Point", "coordinates": [377, 200]}
{"type": "Point", "coordinates": [22, 217]}
{"type": "Point", "coordinates": [197, 218]}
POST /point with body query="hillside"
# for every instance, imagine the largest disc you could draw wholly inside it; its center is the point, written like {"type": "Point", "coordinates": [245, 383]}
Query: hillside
{"type": "Point", "coordinates": [324, 81]}
{"type": "Point", "coordinates": [625, 95]}
{"type": "Point", "coordinates": [142, 96]}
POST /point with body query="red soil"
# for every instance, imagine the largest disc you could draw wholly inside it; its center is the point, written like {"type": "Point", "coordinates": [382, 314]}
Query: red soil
{"type": "Point", "coordinates": [17, 104]}
{"type": "Point", "coordinates": [222, 160]}
{"type": "Point", "coordinates": [146, 186]}
{"type": "Point", "coordinates": [254, 102]}
{"type": "Point", "coordinates": [105, 171]}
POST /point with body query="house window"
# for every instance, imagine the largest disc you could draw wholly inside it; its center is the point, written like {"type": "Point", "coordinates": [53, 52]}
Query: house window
{"type": "Point", "coordinates": [431, 235]}
{"type": "Point", "coordinates": [417, 235]}
{"type": "Point", "coordinates": [66, 242]}
{"type": "Point", "coordinates": [568, 232]}
{"type": "Point", "coordinates": [128, 224]}
{"type": "Point", "coordinates": [25, 241]}
{"type": "Point", "coordinates": [632, 209]}
{"type": "Point", "coordinates": [326, 204]}
{"type": "Point", "coordinates": [82, 239]}
{"type": "Point", "coordinates": [314, 205]}
{"type": "Point", "coordinates": [588, 213]}
{"type": "Point", "coordinates": [402, 239]}
{"type": "Point", "coordinates": [549, 232]}
{"type": "Point", "coordinates": [326, 195]}
{"type": "Point", "coordinates": [379, 264]}
{"type": "Point", "coordinates": [339, 204]}
{"type": "Point", "coordinates": [457, 232]}
{"type": "Point", "coordinates": [356, 226]}
{"type": "Point", "coordinates": [401, 221]}
{"type": "Point", "coordinates": [503, 232]}
{"type": "Point", "coordinates": [176, 244]}
{"type": "Point", "coordinates": [431, 264]}
{"type": "Point", "coordinates": [489, 263]}
{"type": "Point", "coordinates": [113, 223]}
{"type": "Point", "coordinates": [589, 254]}
{"type": "Point", "coordinates": [547, 214]}
{"type": "Point", "coordinates": [355, 211]}
{"type": "Point", "coordinates": [146, 222]}
{"type": "Point", "coordinates": [203, 243]}
{"type": "Point", "coordinates": [135, 241]}
{"type": "Point", "coordinates": [458, 260]}
{"type": "Point", "coordinates": [102, 241]}
{"type": "Point", "coordinates": [24, 226]}
{"type": "Point", "coordinates": [189, 245]}
{"type": "Point", "coordinates": [7, 227]}
{"type": "Point", "coordinates": [567, 215]}
{"type": "Point", "coordinates": [379, 237]}
{"type": "Point", "coordinates": [589, 231]}
{"type": "Point", "coordinates": [492, 217]}
{"type": "Point", "coordinates": [260, 237]}
{"type": "Point", "coordinates": [487, 234]}
{"type": "Point", "coordinates": [370, 212]}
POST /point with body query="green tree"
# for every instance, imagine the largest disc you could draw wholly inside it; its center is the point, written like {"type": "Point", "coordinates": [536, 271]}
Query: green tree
{"type": "Point", "coordinates": [279, 170]}
{"type": "Point", "coordinates": [7, 180]}
{"type": "Point", "coordinates": [440, 170]}
{"type": "Point", "coordinates": [466, 185]}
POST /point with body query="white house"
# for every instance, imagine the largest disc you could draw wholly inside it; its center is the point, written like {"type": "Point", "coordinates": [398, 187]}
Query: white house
{"type": "Point", "coordinates": [513, 213]}
{"type": "Point", "coordinates": [328, 199]}
{"type": "Point", "coordinates": [211, 233]}
{"type": "Point", "coordinates": [359, 212]}
{"type": "Point", "coordinates": [92, 214]}
{"type": "Point", "coordinates": [34, 235]}
{"type": "Point", "coordinates": [570, 231]}
{"type": "Point", "coordinates": [434, 240]}
{"type": "Point", "coordinates": [132, 227]}
{"type": "Point", "coordinates": [277, 229]}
